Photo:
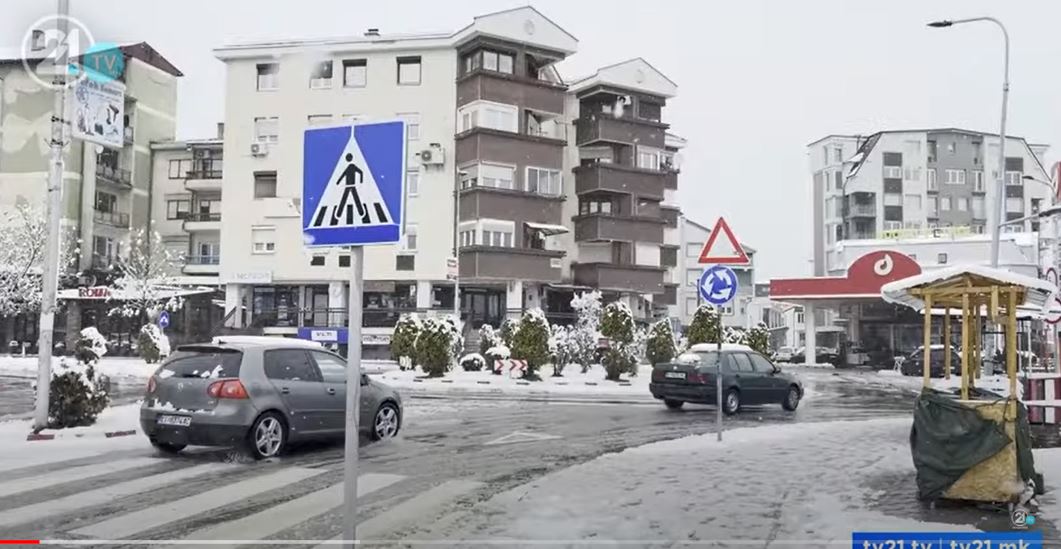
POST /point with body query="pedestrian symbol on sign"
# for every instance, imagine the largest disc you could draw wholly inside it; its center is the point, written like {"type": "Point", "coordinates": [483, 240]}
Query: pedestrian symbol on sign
{"type": "Point", "coordinates": [341, 199]}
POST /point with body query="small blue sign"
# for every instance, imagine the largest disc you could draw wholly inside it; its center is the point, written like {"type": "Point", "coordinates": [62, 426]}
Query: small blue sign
{"type": "Point", "coordinates": [163, 320]}
{"type": "Point", "coordinates": [353, 184]}
{"type": "Point", "coordinates": [718, 285]}
{"type": "Point", "coordinates": [325, 335]}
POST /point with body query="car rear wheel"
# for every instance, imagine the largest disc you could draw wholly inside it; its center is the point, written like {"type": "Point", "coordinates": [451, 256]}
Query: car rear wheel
{"type": "Point", "coordinates": [167, 448]}
{"type": "Point", "coordinates": [386, 423]}
{"type": "Point", "coordinates": [791, 399]}
{"type": "Point", "coordinates": [267, 437]}
{"type": "Point", "coordinates": [731, 404]}
{"type": "Point", "coordinates": [673, 404]}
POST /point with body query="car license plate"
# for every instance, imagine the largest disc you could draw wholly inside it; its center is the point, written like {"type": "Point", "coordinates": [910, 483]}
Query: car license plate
{"type": "Point", "coordinates": [674, 375]}
{"type": "Point", "coordinates": [180, 421]}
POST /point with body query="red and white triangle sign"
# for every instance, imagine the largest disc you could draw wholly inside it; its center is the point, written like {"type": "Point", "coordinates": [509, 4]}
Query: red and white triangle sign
{"type": "Point", "coordinates": [723, 251]}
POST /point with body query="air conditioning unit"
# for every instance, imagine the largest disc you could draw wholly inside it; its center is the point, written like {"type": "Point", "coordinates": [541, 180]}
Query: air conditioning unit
{"type": "Point", "coordinates": [434, 155]}
{"type": "Point", "coordinates": [259, 148]}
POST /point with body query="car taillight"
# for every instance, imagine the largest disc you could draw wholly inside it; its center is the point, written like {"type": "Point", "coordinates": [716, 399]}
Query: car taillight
{"type": "Point", "coordinates": [227, 388]}
{"type": "Point", "coordinates": [693, 377]}
{"type": "Point", "coordinates": [151, 386]}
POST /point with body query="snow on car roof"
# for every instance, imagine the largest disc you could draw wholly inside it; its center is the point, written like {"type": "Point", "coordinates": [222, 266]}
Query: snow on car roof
{"type": "Point", "coordinates": [265, 341]}
{"type": "Point", "coordinates": [709, 347]}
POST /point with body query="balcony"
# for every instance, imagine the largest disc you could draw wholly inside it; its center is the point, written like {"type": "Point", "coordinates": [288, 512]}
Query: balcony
{"type": "Point", "coordinates": [115, 176]}
{"type": "Point", "coordinates": [862, 210]}
{"type": "Point", "coordinates": [629, 131]}
{"type": "Point", "coordinates": [670, 179]}
{"type": "Point", "coordinates": [202, 221]}
{"type": "Point", "coordinates": [490, 263]}
{"type": "Point", "coordinates": [205, 175]}
{"type": "Point", "coordinates": [622, 278]}
{"type": "Point", "coordinates": [604, 227]}
{"type": "Point", "coordinates": [527, 93]}
{"type": "Point", "coordinates": [617, 178]}
{"type": "Point", "coordinates": [202, 264]}
{"type": "Point", "coordinates": [489, 202]}
{"type": "Point", "coordinates": [114, 219]}
{"type": "Point", "coordinates": [517, 149]}
{"type": "Point", "coordinates": [670, 215]}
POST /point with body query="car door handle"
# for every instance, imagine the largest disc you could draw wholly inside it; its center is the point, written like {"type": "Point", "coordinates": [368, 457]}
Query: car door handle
{"type": "Point", "coordinates": [285, 391]}
{"type": "Point", "coordinates": [330, 390]}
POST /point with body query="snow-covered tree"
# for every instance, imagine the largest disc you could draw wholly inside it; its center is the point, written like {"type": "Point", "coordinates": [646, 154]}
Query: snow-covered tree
{"type": "Point", "coordinates": [758, 338]}
{"type": "Point", "coordinates": [23, 244]}
{"type": "Point", "coordinates": [435, 344]}
{"type": "Point", "coordinates": [564, 348]}
{"type": "Point", "coordinates": [403, 342]}
{"type": "Point", "coordinates": [488, 339]}
{"type": "Point", "coordinates": [508, 330]}
{"type": "Point", "coordinates": [78, 392]}
{"type": "Point", "coordinates": [704, 327]}
{"type": "Point", "coordinates": [531, 341]}
{"type": "Point", "coordinates": [617, 324]}
{"type": "Point", "coordinates": [586, 332]}
{"type": "Point", "coordinates": [472, 362]}
{"type": "Point", "coordinates": [734, 335]}
{"type": "Point", "coordinates": [145, 283]}
{"type": "Point", "coordinates": [152, 344]}
{"type": "Point", "coordinates": [660, 347]}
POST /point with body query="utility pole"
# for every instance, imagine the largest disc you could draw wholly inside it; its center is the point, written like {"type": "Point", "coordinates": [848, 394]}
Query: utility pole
{"type": "Point", "coordinates": [50, 270]}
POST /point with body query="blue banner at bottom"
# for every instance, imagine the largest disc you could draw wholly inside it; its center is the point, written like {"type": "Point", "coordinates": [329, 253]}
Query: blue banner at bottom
{"type": "Point", "coordinates": [947, 540]}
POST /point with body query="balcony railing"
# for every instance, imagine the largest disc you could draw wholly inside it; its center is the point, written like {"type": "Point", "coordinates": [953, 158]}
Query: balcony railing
{"type": "Point", "coordinates": [862, 210]}
{"type": "Point", "coordinates": [117, 176]}
{"type": "Point", "coordinates": [209, 168]}
{"type": "Point", "coordinates": [203, 260]}
{"type": "Point", "coordinates": [203, 216]}
{"type": "Point", "coordinates": [116, 219]}
{"type": "Point", "coordinates": [557, 131]}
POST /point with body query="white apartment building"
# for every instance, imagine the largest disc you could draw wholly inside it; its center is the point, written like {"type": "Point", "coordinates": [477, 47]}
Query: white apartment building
{"type": "Point", "coordinates": [544, 209]}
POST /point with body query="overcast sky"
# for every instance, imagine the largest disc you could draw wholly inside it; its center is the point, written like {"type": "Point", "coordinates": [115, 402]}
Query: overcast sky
{"type": "Point", "coordinates": [757, 79]}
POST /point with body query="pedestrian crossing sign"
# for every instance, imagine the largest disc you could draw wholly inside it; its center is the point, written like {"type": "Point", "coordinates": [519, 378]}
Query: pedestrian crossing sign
{"type": "Point", "coordinates": [353, 184]}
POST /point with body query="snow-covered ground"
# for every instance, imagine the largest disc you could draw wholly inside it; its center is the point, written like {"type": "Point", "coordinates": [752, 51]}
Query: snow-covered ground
{"type": "Point", "coordinates": [806, 485]}
{"type": "Point", "coordinates": [892, 378]}
{"type": "Point", "coordinates": [70, 443]}
{"type": "Point", "coordinates": [126, 370]}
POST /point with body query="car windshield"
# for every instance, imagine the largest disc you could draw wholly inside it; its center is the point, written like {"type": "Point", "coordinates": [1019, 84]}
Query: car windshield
{"type": "Point", "coordinates": [202, 362]}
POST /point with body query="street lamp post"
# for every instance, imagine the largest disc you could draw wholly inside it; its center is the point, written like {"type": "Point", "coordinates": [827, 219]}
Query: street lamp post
{"type": "Point", "coordinates": [1000, 191]}
{"type": "Point", "coordinates": [461, 174]}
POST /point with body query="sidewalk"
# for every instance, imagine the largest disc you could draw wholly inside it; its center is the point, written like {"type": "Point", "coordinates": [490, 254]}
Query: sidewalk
{"type": "Point", "coordinates": [125, 370]}
{"type": "Point", "coordinates": [807, 485]}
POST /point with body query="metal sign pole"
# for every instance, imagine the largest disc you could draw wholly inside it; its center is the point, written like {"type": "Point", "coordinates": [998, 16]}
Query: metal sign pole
{"type": "Point", "coordinates": [353, 396]}
{"type": "Point", "coordinates": [718, 380]}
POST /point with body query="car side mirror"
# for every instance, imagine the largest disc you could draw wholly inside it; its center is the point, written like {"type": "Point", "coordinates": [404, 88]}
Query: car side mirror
{"type": "Point", "coordinates": [777, 369]}
{"type": "Point", "coordinates": [364, 379]}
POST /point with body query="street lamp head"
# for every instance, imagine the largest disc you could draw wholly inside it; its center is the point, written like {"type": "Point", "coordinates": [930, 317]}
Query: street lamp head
{"type": "Point", "coordinates": [1028, 178]}
{"type": "Point", "coordinates": [940, 24]}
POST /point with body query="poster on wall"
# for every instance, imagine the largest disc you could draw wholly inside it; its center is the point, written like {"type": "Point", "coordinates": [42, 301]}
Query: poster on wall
{"type": "Point", "coordinates": [98, 112]}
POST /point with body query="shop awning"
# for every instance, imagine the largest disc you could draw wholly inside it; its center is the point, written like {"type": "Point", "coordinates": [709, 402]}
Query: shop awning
{"type": "Point", "coordinates": [547, 229]}
{"type": "Point", "coordinates": [864, 279]}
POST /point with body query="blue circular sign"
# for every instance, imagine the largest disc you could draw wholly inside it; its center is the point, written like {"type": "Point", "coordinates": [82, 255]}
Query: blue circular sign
{"type": "Point", "coordinates": [718, 285]}
{"type": "Point", "coordinates": [163, 320]}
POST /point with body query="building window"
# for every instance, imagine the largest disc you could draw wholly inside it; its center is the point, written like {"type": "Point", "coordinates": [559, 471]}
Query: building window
{"type": "Point", "coordinates": [263, 240]}
{"type": "Point", "coordinates": [355, 73]}
{"type": "Point", "coordinates": [344, 261]}
{"type": "Point", "coordinates": [726, 310]}
{"type": "Point", "coordinates": [944, 204]}
{"type": "Point", "coordinates": [106, 202]}
{"type": "Point", "coordinates": [692, 249]}
{"type": "Point", "coordinates": [932, 151]}
{"type": "Point", "coordinates": [321, 77]}
{"type": "Point", "coordinates": [267, 129]}
{"type": "Point", "coordinates": [499, 62]}
{"type": "Point", "coordinates": [264, 184]}
{"type": "Point", "coordinates": [543, 181]}
{"type": "Point", "coordinates": [178, 169]}
{"type": "Point", "coordinates": [472, 61]}
{"type": "Point", "coordinates": [412, 125]}
{"type": "Point", "coordinates": [838, 155]}
{"type": "Point", "coordinates": [1014, 204]}
{"type": "Point", "coordinates": [978, 207]}
{"type": "Point", "coordinates": [941, 258]}
{"type": "Point", "coordinates": [403, 262]}
{"type": "Point", "coordinates": [930, 174]}
{"type": "Point", "coordinates": [317, 261]}
{"type": "Point", "coordinates": [587, 207]}
{"type": "Point", "coordinates": [498, 238]}
{"type": "Point", "coordinates": [838, 176]}
{"type": "Point", "coordinates": [496, 176]}
{"type": "Point", "coordinates": [893, 225]}
{"type": "Point", "coordinates": [1014, 179]}
{"type": "Point", "coordinates": [912, 202]}
{"type": "Point", "coordinates": [691, 304]}
{"type": "Point", "coordinates": [963, 204]}
{"type": "Point", "coordinates": [954, 177]}
{"type": "Point", "coordinates": [410, 237]}
{"type": "Point", "coordinates": [466, 236]}
{"type": "Point", "coordinates": [412, 182]}
{"type": "Point", "coordinates": [647, 159]}
{"type": "Point", "coordinates": [891, 199]}
{"type": "Point", "coordinates": [893, 172]}
{"type": "Point", "coordinates": [1036, 204]}
{"type": "Point", "coordinates": [318, 120]}
{"type": "Point", "coordinates": [268, 76]}
{"type": "Point", "coordinates": [978, 181]}
{"type": "Point", "coordinates": [178, 209]}
{"type": "Point", "coordinates": [409, 71]}
{"type": "Point", "coordinates": [951, 147]}
{"type": "Point", "coordinates": [911, 174]}
{"type": "Point", "coordinates": [692, 277]}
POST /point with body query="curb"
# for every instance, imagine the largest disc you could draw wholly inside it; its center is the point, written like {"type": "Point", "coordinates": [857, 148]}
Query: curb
{"type": "Point", "coordinates": [32, 437]}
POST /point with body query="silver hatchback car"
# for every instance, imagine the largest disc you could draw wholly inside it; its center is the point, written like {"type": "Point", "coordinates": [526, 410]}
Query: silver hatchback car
{"type": "Point", "coordinates": [258, 393]}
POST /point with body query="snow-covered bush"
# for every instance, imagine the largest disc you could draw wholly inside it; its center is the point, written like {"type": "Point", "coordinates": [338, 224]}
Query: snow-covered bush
{"type": "Point", "coordinates": [758, 338]}
{"type": "Point", "coordinates": [617, 324]}
{"type": "Point", "coordinates": [403, 342]}
{"type": "Point", "coordinates": [472, 362]}
{"type": "Point", "coordinates": [586, 332]}
{"type": "Point", "coordinates": [564, 348]}
{"type": "Point", "coordinates": [531, 341]}
{"type": "Point", "coordinates": [508, 331]}
{"type": "Point", "coordinates": [152, 343]}
{"type": "Point", "coordinates": [704, 326]}
{"type": "Point", "coordinates": [434, 346]}
{"type": "Point", "coordinates": [488, 339]}
{"type": "Point", "coordinates": [660, 346]}
{"type": "Point", "coordinates": [734, 335]}
{"type": "Point", "coordinates": [457, 344]}
{"type": "Point", "coordinates": [499, 352]}
{"type": "Point", "coordinates": [78, 393]}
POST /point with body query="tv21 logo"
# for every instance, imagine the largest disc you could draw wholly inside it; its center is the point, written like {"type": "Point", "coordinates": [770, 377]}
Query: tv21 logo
{"type": "Point", "coordinates": [61, 45]}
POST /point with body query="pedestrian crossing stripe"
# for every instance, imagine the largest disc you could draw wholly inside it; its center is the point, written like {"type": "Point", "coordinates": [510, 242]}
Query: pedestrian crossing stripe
{"type": "Point", "coordinates": [354, 184]}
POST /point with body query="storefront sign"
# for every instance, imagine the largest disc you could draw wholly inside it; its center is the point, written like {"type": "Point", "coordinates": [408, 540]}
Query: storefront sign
{"type": "Point", "coordinates": [248, 277]}
{"type": "Point", "coordinates": [864, 279]}
{"type": "Point", "coordinates": [94, 292]}
{"type": "Point", "coordinates": [939, 232]}
{"type": "Point", "coordinates": [451, 268]}
{"type": "Point", "coordinates": [323, 335]}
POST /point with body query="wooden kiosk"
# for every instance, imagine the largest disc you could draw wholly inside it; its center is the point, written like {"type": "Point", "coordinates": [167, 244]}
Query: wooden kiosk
{"type": "Point", "coordinates": [978, 292]}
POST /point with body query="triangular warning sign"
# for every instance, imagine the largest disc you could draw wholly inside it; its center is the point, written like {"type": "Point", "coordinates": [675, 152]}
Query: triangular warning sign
{"type": "Point", "coordinates": [723, 251]}
{"type": "Point", "coordinates": [352, 197]}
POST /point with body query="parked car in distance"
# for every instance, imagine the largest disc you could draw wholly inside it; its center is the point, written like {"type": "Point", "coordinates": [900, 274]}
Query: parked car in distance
{"type": "Point", "coordinates": [260, 394]}
{"type": "Point", "coordinates": [784, 354]}
{"type": "Point", "coordinates": [824, 355]}
{"type": "Point", "coordinates": [747, 378]}
{"type": "Point", "coordinates": [913, 363]}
